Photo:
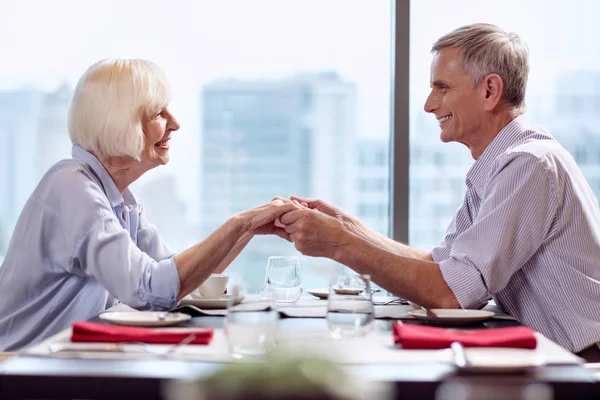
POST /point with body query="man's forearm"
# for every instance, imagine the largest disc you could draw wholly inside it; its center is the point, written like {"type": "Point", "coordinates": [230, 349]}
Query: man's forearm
{"type": "Point", "coordinates": [386, 243]}
{"type": "Point", "coordinates": [415, 279]}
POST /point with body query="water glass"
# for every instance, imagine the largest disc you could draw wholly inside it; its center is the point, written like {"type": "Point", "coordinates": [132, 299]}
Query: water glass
{"type": "Point", "coordinates": [251, 328]}
{"type": "Point", "coordinates": [350, 311]}
{"type": "Point", "coordinates": [282, 280]}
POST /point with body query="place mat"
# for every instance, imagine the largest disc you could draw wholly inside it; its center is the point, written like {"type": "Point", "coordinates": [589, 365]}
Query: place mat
{"type": "Point", "coordinates": [375, 348]}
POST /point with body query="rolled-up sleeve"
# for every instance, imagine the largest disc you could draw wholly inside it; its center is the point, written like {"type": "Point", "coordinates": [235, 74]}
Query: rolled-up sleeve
{"type": "Point", "coordinates": [103, 250]}
{"type": "Point", "coordinates": [516, 216]}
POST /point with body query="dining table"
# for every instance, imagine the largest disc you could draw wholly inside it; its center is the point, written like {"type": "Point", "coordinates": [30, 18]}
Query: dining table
{"type": "Point", "coordinates": [40, 373]}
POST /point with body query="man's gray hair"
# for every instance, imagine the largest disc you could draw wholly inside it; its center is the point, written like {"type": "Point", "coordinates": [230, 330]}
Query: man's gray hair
{"type": "Point", "coordinates": [486, 49]}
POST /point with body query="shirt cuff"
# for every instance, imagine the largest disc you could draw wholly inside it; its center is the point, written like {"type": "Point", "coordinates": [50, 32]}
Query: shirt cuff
{"type": "Point", "coordinates": [163, 286]}
{"type": "Point", "coordinates": [465, 281]}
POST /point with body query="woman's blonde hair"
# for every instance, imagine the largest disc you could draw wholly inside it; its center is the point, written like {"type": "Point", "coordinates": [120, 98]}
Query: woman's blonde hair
{"type": "Point", "coordinates": [110, 101]}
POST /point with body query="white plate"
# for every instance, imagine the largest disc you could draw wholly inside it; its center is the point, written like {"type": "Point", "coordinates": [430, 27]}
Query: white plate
{"type": "Point", "coordinates": [213, 304]}
{"type": "Point", "coordinates": [452, 315]}
{"type": "Point", "coordinates": [501, 360]}
{"type": "Point", "coordinates": [143, 318]}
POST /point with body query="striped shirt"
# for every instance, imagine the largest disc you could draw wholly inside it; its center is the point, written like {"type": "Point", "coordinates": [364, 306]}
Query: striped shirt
{"type": "Point", "coordinates": [528, 235]}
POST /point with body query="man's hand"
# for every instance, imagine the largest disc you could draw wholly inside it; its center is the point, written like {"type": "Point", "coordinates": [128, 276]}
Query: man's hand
{"type": "Point", "coordinates": [314, 233]}
{"type": "Point", "coordinates": [349, 222]}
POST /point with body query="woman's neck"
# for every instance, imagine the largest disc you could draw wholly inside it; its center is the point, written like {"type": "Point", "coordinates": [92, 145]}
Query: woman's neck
{"type": "Point", "coordinates": [123, 172]}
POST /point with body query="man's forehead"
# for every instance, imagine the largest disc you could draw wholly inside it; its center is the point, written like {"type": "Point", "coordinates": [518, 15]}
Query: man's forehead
{"type": "Point", "coordinates": [445, 62]}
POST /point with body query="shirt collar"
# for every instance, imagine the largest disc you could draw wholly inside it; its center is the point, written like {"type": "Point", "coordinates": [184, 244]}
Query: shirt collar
{"type": "Point", "coordinates": [113, 194]}
{"type": "Point", "coordinates": [510, 134]}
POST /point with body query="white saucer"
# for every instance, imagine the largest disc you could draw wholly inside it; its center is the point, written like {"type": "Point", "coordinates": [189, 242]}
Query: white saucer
{"type": "Point", "coordinates": [452, 315]}
{"type": "Point", "coordinates": [220, 303]}
{"type": "Point", "coordinates": [320, 293]}
{"type": "Point", "coordinates": [143, 318]}
{"type": "Point", "coordinates": [350, 290]}
{"type": "Point", "coordinates": [501, 360]}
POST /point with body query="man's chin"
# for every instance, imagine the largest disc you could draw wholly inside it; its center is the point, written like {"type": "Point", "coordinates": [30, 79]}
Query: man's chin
{"type": "Point", "coordinates": [445, 137]}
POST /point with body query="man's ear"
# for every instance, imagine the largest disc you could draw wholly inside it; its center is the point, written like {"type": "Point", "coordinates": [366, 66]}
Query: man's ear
{"type": "Point", "coordinates": [493, 88]}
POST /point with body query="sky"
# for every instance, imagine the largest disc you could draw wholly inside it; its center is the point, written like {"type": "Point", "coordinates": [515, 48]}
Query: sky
{"type": "Point", "coordinates": [199, 41]}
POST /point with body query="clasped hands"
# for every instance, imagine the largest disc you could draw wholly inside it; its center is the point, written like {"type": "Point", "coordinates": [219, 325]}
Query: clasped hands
{"type": "Point", "coordinates": [315, 227]}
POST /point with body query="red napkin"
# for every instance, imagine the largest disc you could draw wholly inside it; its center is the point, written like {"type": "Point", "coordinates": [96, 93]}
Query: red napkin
{"type": "Point", "coordinates": [428, 337]}
{"type": "Point", "coordinates": [94, 332]}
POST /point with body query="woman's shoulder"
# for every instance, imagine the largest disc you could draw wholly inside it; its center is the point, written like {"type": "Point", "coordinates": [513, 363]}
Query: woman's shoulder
{"type": "Point", "coordinates": [69, 181]}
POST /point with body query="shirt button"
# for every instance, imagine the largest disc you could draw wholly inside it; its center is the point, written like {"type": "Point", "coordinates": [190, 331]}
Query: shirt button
{"type": "Point", "coordinates": [140, 295]}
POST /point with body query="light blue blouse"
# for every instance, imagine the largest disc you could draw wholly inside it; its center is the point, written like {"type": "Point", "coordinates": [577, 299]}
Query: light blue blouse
{"type": "Point", "coordinates": [78, 248]}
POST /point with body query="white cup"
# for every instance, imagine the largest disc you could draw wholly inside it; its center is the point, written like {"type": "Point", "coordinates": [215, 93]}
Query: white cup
{"type": "Point", "coordinates": [212, 288]}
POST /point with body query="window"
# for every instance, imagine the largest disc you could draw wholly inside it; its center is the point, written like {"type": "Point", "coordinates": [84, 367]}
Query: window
{"type": "Point", "coordinates": [562, 93]}
{"type": "Point", "coordinates": [267, 106]}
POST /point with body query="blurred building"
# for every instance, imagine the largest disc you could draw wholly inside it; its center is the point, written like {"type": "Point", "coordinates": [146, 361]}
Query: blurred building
{"type": "Point", "coordinates": [19, 111]}
{"type": "Point", "coordinates": [575, 121]}
{"type": "Point", "coordinates": [437, 182]}
{"type": "Point", "coordinates": [165, 210]}
{"type": "Point", "coordinates": [33, 133]}
{"type": "Point", "coordinates": [53, 142]}
{"type": "Point", "coordinates": [372, 183]}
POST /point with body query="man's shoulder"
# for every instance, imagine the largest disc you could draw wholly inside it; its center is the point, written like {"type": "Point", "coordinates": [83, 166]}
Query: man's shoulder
{"type": "Point", "coordinates": [536, 148]}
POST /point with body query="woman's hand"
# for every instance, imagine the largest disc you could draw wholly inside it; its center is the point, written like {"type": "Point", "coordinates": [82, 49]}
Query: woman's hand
{"type": "Point", "coordinates": [261, 220]}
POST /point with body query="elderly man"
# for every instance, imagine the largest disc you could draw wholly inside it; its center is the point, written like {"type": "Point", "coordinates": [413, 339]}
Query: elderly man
{"type": "Point", "coordinates": [528, 231]}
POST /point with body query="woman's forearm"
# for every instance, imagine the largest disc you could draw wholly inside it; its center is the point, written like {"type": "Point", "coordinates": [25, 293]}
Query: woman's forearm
{"type": "Point", "coordinates": [195, 264]}
{"type": "Point", "coordinates": [234, 252]}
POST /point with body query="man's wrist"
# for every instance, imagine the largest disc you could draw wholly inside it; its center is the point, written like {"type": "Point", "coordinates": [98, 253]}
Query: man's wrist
{"type": "Point", "coordinates": [342, 250]}
{"type": "Point", "coordinates": [355, 226]}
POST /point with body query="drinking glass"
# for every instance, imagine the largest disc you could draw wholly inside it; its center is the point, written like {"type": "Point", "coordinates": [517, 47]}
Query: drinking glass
{"type": "Point", "coordinates": [282, 280]}
{"type": "Point", "coordinates": [350, 311]}
{"type": "Point", "coordinates": [251, 327]}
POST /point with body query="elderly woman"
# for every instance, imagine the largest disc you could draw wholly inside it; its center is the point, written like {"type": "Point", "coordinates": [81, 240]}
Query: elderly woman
{"type": "Point", "coordinates": [82, 242]}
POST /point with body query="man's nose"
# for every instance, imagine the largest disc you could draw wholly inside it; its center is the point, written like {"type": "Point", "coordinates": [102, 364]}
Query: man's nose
{"type": "Point", "coordinates": [430, 104]}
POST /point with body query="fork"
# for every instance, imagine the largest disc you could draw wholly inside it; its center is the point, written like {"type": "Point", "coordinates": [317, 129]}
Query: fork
{"type": "Point", "coordinates": [120, 347]}
{"type": "Point", "coordinates": [170, 350]}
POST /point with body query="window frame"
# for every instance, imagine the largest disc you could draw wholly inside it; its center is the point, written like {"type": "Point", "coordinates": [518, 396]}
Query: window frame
{"type": "Point", "coordinates": [399, 138]}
